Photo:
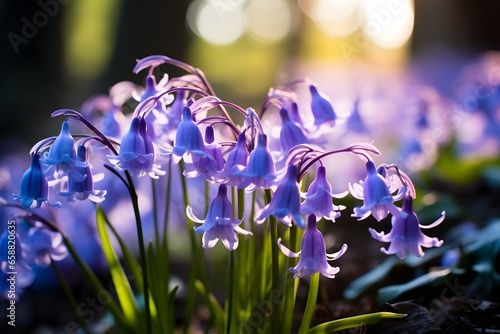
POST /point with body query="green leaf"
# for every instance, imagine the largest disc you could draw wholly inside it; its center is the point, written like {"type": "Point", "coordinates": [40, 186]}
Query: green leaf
{"type": "Point", "coordinates": [122, 286]}
{"type": "Point", "coordinates": [129, 259]}
{"type": "Point", "coordinates": [214, 306]}
{"type": "Point", "coordinates": [353, 322]}
{"type": "Point", "coordinates": [392, 292]}
{"type": "Point", "coordinates": [363, 283]}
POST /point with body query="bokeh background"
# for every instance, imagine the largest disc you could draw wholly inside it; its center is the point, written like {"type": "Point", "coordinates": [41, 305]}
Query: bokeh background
{"type": "Point", "coordinates": [76, 48]}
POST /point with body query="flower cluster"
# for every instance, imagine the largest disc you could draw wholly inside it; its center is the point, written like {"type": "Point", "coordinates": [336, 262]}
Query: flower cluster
{"type": "Point", "coordinates": [181, 121]}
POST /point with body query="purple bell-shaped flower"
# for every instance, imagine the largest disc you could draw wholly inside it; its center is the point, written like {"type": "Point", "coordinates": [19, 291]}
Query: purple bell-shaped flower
{"type": "Point", "coordinates": [313, 256]}
{"type": "Point", "coordinates": [406, 235]}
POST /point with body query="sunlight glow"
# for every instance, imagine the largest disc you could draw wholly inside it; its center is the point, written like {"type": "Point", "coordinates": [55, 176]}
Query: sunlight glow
{"type": "Point", "coordinates": [388, 23]}
{"type": "Point", "coordinates": [268, 20]}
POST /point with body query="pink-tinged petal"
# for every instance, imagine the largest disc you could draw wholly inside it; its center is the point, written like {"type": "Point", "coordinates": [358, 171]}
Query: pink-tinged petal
{"type": "Point", "coordinates": [429, 242]}
{"type": "Point", "coordinates": [329, 271]}
{"type": "Point", "coordinates": [210, 238]}
{"type": "Point", "coordinates": [150, 61]}
{"type": "Point", "coordinates": [380, 236]}
{"type": "Point", "coordinates": [356, 190]}
{"type": "Point", "coordinates": [436, 223]}
{"type": "Point", "coordinates": [242, 231]}
{"type": "Point", "coordinates": [286, 251]}
{"type": "Point", "coordinates": [228, 237]}
{"type": "Point", "coordinates": [379, 212]}
{"type": "Point", "coordinates": [192, 216]}
{"type": "Point", "coordinates": [340, 195]}
{"type": "Point", "coordinates": [338, 254]}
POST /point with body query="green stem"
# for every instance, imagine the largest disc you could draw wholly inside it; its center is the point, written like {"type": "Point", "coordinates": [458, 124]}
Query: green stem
{"type": "Point", "coordinates": [275, 270]}
{"type": "Point", "coordinates": [142, 250]}
{"type": "Point", "coordinates": [191, 292]}
{"type": "Point", "coordinates": [155, 212]}
{"type": "Point", "coordinates": [196, 265]}
{"type": "Point", "coordinates": [311, 303]}
{"type": "Point", "coordinates": [230, 292]}
{"type": "Point", "coordinates": [70, 296]}
{"type": "Point", "coordinates": [165, 249]}
{"type": "Point", "coordinates": [289, 293]}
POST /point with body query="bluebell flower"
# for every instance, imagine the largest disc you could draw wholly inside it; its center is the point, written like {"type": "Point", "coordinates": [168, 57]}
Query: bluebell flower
{"type": "Point", "coordinates": [313, 256]}
{"type": "Point", "coordinates": [34, 186]}
{"type": "Point", "coordinates": [294, 114]}
{"type": "Point", "coordinates": [260, 171]}
{"type": "Point", "coordinates": [174, 113]}
{"type": "Point", "coordinates": [376, 196]}
{"type": "Point", "coordinates": [319, 198]}
{"type": "Point", "coordinates": [291, 134]}
{"type": "Point", "coordinates": [156, 117]}
{"type": "Point", "coordinates": [406, 235]}
{"type": "Point", "coordinates": [188, 139]}
{"type": "Point", "coordinates": [211, 164]}
{"type": "Point", "coordinates": [219, 222]}
{"type": "Point", "coordinates": [136, 152]}
{"type": "Point", "coordinates": [44, 246]}
{"type": "Point", "coordinates": [355, 123]}
{"type": "Point", "coordinates": [321, 108]}
{"type": "Point", "coordinates": [83, 189]}
{"type": "Point", "coordinates": [285, 203]}
{"type": "Point", "coordinates": [236, 162]}
{"type": "Point", "coordinates": [62, 154]}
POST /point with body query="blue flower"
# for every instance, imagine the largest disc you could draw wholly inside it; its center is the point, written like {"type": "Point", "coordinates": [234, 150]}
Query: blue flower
{"type": "Point", "coordinates": [136, 152]}
{"type": "Point", "coordinates": [236, 162]}
{"type": "Point", "coordinates": [355, 123]}
{"type": "Point", "coordinates": [209, 165]}
{"type": "Point", "coordinates": [319, 198]}
{"type": "Point", "coordinates": [321, 108]}
{"type": "Point", "coordinates": [34, 186]}
{"type": "Point", "coordinates": [405, 236]}
{"type": "Point", "coordinates": [188, 139]}
{"type": "Point", "coordinates": [62, 153]}
{"type": "Point", "coordinates": [291, 134]}
{"type": "Point", "coordinates": [285, 203]}
{"type": "Point", "coordinates": [260, 170]}
{"type": "Point", "coordinates": [43, 246]}
{"type": "Point", "coordinates": [313, 256]}
{"type": "Point", "coordinates": [219, 222]}
{"type": "Point", "coordinates": [83, 189]}
{"type": "Point", "coordinates": [376, 196]}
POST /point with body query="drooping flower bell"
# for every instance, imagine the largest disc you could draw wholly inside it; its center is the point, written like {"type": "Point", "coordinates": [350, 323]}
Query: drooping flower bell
{"type": "Point", "coordinates": [188, 139]}
{"type": "Point", "coordinates": [291, 134]}
{"type": "Point", "coordinates": [62, 153]}
{"type": "Point", "coordinates": [209, 165]}
{"type": "Point", "coordinates": [136, 152]}
{"type": "Point", "coordinates": [236, 162]}
{"type": "Point", "coordinates": [321, 108]}
{"type": "Point", "coordinates": [83, 189]}
{"type": "Point", "coordinates": [260, 171]}
{"type": "Point", "coordinates": [34, 186]}
{"type": "Point", "coordinates": [313, 256]}
{"type": "Point", "coordinates": [319, 198]}
{"type": "Point", "coordinates": [285, 203]}
{"type": "Point", "coordinates": [219, 222]}
{"type": "Point", "coordinates": [406, 235]}
{"type": "Point", "coordinates": [156, 118]}
{"type": "Point", "coordinates": [44, 245]}
{"type": "Point", "coordinates": [376, 196]}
